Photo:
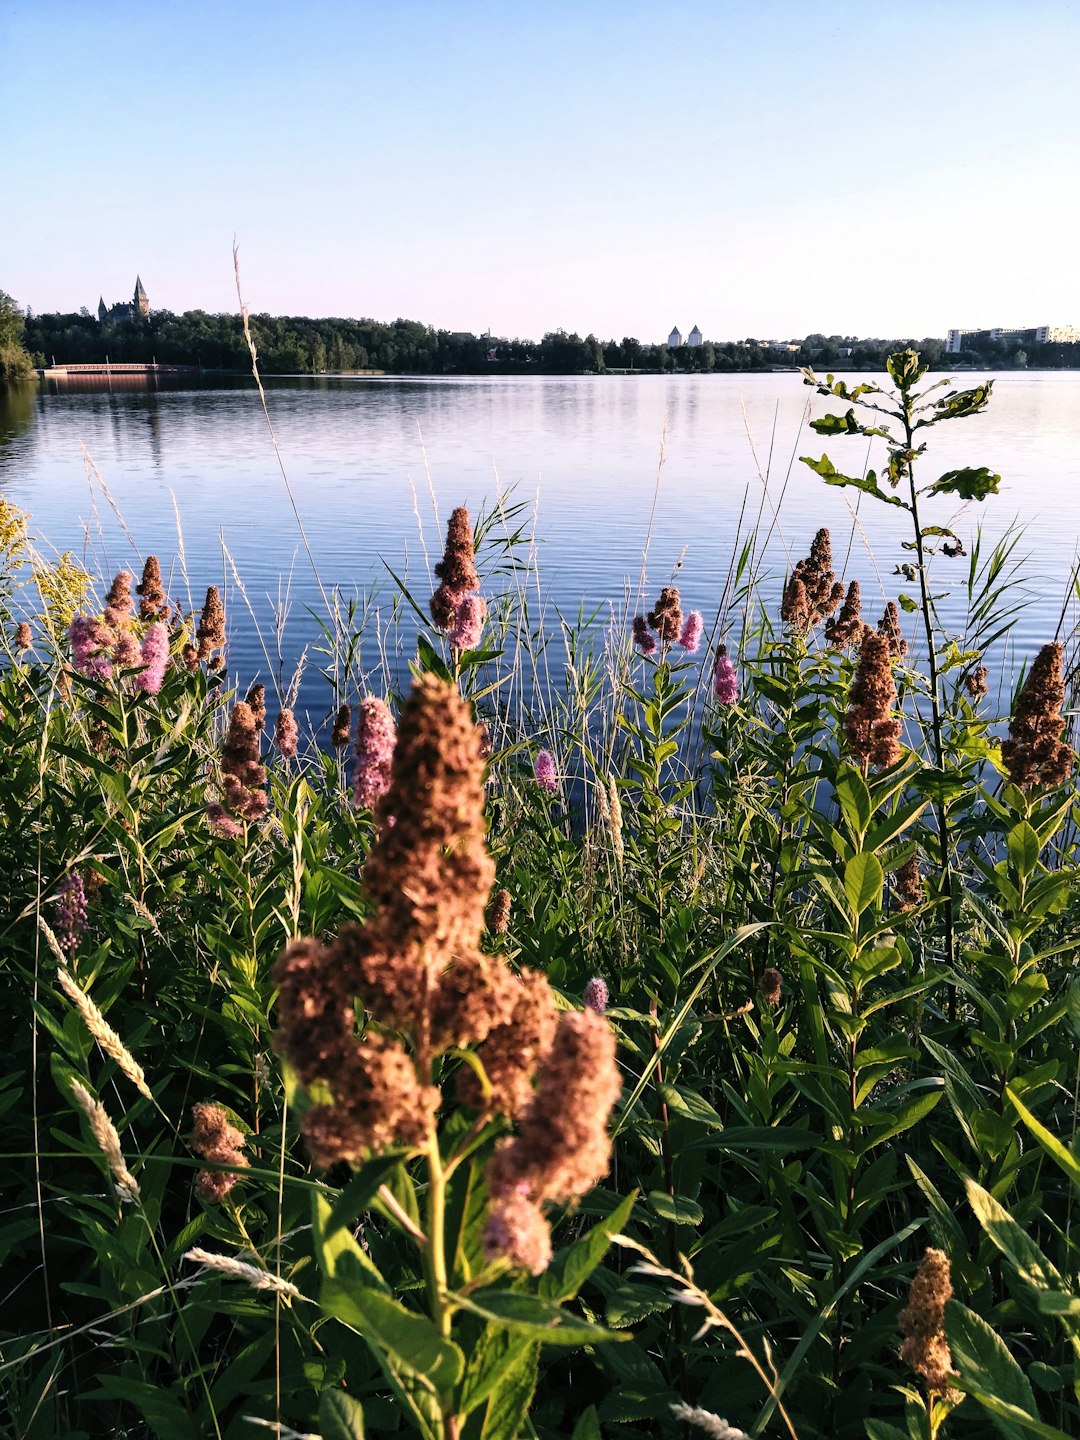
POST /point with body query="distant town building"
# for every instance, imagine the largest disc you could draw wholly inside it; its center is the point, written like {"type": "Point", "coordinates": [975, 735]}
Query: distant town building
{"type": "Point", "coordinates": [139, 305]}
{"type": "Point", "coordinates": [1030, 335]}
{"type": "Point", "coordinates": [675, 338]}
{"type": "Point", "coordinates": [695, 338]}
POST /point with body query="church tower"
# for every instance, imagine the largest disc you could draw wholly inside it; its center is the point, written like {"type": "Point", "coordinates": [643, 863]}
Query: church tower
{"type": "Point", "coordinates": [142, 300]}
{"type": "Point", "coordinates": [102, 312]}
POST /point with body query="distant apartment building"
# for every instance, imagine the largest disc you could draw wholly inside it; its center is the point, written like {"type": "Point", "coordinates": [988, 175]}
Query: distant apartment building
{"type": "Point", "coordinates": [1030, 335]}
{"type": "Point", "coordinates": [674, 340]}
{"type": "Point", "coordinates": [692, 341]}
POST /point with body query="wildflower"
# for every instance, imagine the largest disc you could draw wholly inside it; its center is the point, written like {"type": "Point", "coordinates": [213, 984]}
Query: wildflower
{"type": "Point", "coordinates": [243, 778]}
{"type": "Point", "coordinates": [909, 888]}
{"type": "Point", "coordinates": [286, 736]}
{"type": "Point", "coordinates": [468, 623]}
{"type": "Point", "coordinates": [666, 618]}
{"type": "Point", "coordinates": [812, 591]}
{"type": "Point", "coordinates": [222, 823]}
{"type": "Point", "coordinates": [510, 1054]}
{"type": "Point", "coordinates": [376, 735]}
{"type": "Point", "coordinates": [152, 604]}
{"type": "Point", "coordinates": [872, 731]}
{"type": "Point", "coordinates": [889, 626]}
{"type": "Point", "coordinates": [216, 1139]}
{"type": "Point", "coordinates": [595, 996]}
{"type": "Point", "coordinates": [24, 638]}
{"type": "Point", "coordinates": [725, 680]}
{"type": "Point", "coordinates": [544, 771]}
{"type": "Point", "coordinates": [127, 654]}
{"type": "Point", "coordinates": [770, 985]}
{"type": "Point", "coordinates": [155, 657]}
{"type": "Point", "coordinates": [498, 913]}
{"type": "Point", "coordinates": [107, 1140]}
{"type": "Point", "coordinates": [922, 1323]}
{"type": "Point", "coordinates": [210, 631]}
{"type": "Point", "coordinates": [975, 682]}
{"type": "Point", "coordinates": [71, 923]}
{"type": "Point", "coordinates": [256, 699]}
{"type": "Point", "coordinates": [456, 571]}
{"type": "Point", "coordinates": [1035, 753]}
{"type": "Point", "coordinates": [692, 632]}
{"type": "Point", "coordinates": [643, 638]}
{"type": "Point", "coordinates": [118, 602]}
{"type": "Point", "coordinates": [517, 1231]}
{"type": "Point", "coordinates": [103, 1032]}
{"type": "Point", "coordinates": [708, 1422]}
{"type": "Point", "coordinates": [91, 642]}
{"type": "Point", "coordinates": [342, 727]}
{"type": "Point", "coordinates": [846, 628]}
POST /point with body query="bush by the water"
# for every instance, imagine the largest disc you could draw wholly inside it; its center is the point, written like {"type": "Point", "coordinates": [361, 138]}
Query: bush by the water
{"type": "Point", "coordinates": [689, 1045]}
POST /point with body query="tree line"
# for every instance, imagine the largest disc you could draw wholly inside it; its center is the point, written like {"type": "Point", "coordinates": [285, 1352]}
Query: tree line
{"type": "Point", "coordinates": [301, 345]}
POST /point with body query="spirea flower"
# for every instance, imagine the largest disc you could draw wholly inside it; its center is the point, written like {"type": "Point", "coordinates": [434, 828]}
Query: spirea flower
{"type": "Point", "coordinates": [725, 680]}
{"type": "Point", "coordinates": [1035, 753]}
{"type": "Point", "coordinates": [24, 638]}
{"type": "Point", "coordinates": [210, 631]}
{"type": "Point", "coordinates": [286, 735]}
{"type": "Point", "coordinates": [456, 570]}
{"type": "Point", "coordinates": [871, 729]}
{"type": "Point", "coordinates": [908, 887]}
{"type": "Point", "coordinates": [71, 920]}
{"type": "Point", "coordinates": [692, 631]}
{"type": "Point", "coordinates": [770, 986]}
{"type": "Point", "coordinates": [544, 771]}
{"type": "Point", "coordinates": [342, 727]}
{"type": "Point", "coordinates": [513, 1049]}
{"type": "Point", "coordinates": [889, 626]}
{"type": "Point", "coordinates": [498, 913]}
{"type": "Point", "coordinates": [256, 699]}
{"type": "Point", "coordinates": [847, 628]}
{"type": "Point", "coordinates": [243, 777]}
{"type": "Point", "coordinates": [813, 590]}
{"type": "Point", "coordinates": [155, 657]}
{"type": "Point", "coordinates": [975, 682]}
{"type": "Point", "coordinates": [91, 644]}
{"type": "Point", "coordinates": [643, 636]}
{"type": "Point", "coordinates": [376, 735]}
{"type": "Point", "coordinates": [922, 1323]}
{"type": "Point", "coordinates": [127, 653]}
{"type": "Point", "coordinates": [666, 616]}
{"type": "Point", "coordinates": [221, 822]}
{"type": "Point", "coordinates": [152, 604]}
{"type": "Point", "coordinates": [468, 623]}
{"type": "Point", "coordinates": [215, 1138]}
{"type": "Point", "coordinates": [118, 602]}
{"type": "Point", "coordinates": [517, 1231]}
{"type": "Point", "coordinates": [595, 995]}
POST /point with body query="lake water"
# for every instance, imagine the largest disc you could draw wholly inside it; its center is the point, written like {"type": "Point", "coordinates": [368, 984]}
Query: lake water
{"type": "Point", "coordinates": [582, 455]}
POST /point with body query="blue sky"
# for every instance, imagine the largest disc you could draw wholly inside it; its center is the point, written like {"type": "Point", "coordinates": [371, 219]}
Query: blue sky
{"type": "Point", "coordinates": [757, 167]}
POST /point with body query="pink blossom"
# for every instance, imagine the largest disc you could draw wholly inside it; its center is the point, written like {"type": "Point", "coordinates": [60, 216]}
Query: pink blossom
{"type": "Point", "coordinates": [725, 681]}
{"type": "Point", "coordinates": [155, 656]}
{"type": "Point", "coordinates": [286, 736]}
{"type": "Point", "coordinates": [222, 823]}
{"type": "Point", "coordinates": [468, 623]}
{"type": "Point", "coordinates": [595, 996]}
{"type": "Point", "coordinates": [544, 771]}
{"type": "Point", "coordinates": [90, 638]}
{"type": "Point", "coordinates": [70, 911]}
{"type": "Point", "coordinates": [376, 736]}
{"type": "Point", "coordinates": [692, 631]}
{"type": "Point", "coordinates": [643, 637]}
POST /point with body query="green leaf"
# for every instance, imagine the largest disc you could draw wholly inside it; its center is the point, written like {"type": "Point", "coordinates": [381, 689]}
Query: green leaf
{"type": "Point", "coordinates": [863, 881]}
{"type": "Point", "coordinates": [1050, 1143]}
{"type": "Point", "coordinates": [336, 1249]}
{"type": "Point", "coordinates": [968, 484]}
{"type": "Point", "coordinates": [837, 424]}
{"type": "Point", "coordinates": [1011, 1420]}
{"type": "Point", "coordinates": [161, 1410]}
{"type": "Point", "coordinates": [1011, 1239]}
{"type": "Point", "coordinates": [533, 1316]}
{"type": "Point", "coordinates": [340, 1416]}
{"type": "Point", "coordinates": [588, 1426]}
{"type": "Point", "coordinates": [494, 1363]}
{"type": "Point", "coordinates": [905, 368]}
{"type": "Point", "coordinates": [572, 1266]}
{"type": "Point", "coordinates": [411, 1341]}
{"type": "Point", "coordinates": [983, 1361]}
{"type": "Point", "coordinates": [678, 1209]}
{"type": "Point", "coordinates": [867, 483]}
{"type": "Point", "coordinates": [895, 824]}
{"type": "Point", "coordinates": [854, 798]}
{"type": "Point", "coordinates": [1023, 846]}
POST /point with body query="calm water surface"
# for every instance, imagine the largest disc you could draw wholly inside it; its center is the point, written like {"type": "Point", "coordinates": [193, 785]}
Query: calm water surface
{"type": "Point", "coordinates": [583, 453]}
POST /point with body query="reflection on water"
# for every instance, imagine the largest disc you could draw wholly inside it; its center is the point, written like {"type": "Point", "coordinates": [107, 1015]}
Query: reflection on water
{"type": "Point", "coordinates": [363, 454]}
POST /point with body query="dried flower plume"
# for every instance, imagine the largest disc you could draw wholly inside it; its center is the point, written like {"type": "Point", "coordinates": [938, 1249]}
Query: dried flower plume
{"type": "Point", "coordinates": [813, 590]}
{"type": "Point", "coordinates": [871, 729]}
{"type": "Point", "coordinates": [922, 1324]}
{"type": "Point", "coordinates": [456, 570]}
{"type": "Point", "coordinates": [217, 1139]}
{"type": "Point", "coordinates": [376, 735]}
{"type": "Point", "coordinates": [1035, 753]}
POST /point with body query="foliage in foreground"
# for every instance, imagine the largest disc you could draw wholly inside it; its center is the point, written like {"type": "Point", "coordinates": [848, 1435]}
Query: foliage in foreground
{"type": "Point", "coordinates": [829, 916]}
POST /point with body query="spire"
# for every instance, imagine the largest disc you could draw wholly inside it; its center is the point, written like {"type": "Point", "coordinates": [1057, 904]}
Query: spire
{"type": "Point", "coordinates": [142, 300]}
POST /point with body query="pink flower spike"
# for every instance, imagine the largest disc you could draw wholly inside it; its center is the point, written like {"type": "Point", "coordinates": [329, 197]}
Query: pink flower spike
{"type": "Point", "coordinates": [286, 735]}
{"type": "Point", "coordinates": [643, 637]}
{"type": "Point", "coordinates": [155, 656]}
{"type": "Point", "coordinates": [692, 631]}
{"type": "Point", "coordinates": [222, 823]}
{"type": "Point", "coordinates": [71, 923]}
{"type": "Point", "coordinates": [376, 736]}
{"type": "Point", "coordinates": [90, 638]}
{"type": "Point", "coordinates": [725, 680]}
{"type": "Point", "coordinates": [468, 623]}
{"type": "Point", "coordinates": [544, 772]}
{"type": "Point", "coordinates": [595, 996]}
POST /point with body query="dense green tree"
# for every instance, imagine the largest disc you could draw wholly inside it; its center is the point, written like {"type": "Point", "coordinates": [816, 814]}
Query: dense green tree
{"type": "Point", "coordinates": [15, 362]}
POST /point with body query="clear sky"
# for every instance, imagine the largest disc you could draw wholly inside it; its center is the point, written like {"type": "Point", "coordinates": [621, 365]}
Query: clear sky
{"type": "Point", "coordinates": [757, 167]}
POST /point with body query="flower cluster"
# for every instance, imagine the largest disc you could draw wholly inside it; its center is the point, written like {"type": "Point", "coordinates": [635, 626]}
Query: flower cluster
{"type": "Point", "coordinates": [154, 656]}
{"type": "Point", "coordinates": [813, 591]}
{"type": "Point", "coordinates": [71, 922]}
{"type": "Point", "coordinates": [692, 632]}
{"type": "Point", "coordinates": [908, 886]}
{"type": "Point", "coordinates": [216, 1139]}
{"type": "Point", "coordinates": [725, 680]}
{"type": "Point", "coordinates": [975, 682]}
{"type": "Point", "coordinates": [595, 996]}
{"type": "Point", "coordinates": [341, 729]}
{"type": "Point", "coordinates": [643, 636]}
{"type": "Point", "coordinates": [922, 1324]}
{"type": "Point", "coordinates": [151, 592]}
{"type": "Point", "coordinates": [846, 629]}
{"type": "Point", "coordinates": [770, 986]}
{"type": "Point", "coordinates": [286, 735]}
{"type": "Point", "coordinates": [210, 633]}
{"type": "Point", "coordinates": [1035, 753]}
{"type": "Point", "coordinates": [455, 607]}
{"type": "Point", "coordinates": [544, 771]}
{"type": "Point", "coordinates": [871, 729]}
{"type": "Point", "coordinates": [889, 626]}
{"type": "Point", "coordinates": [498, 913]}
{"type": "Point", "coordinates": [375, 738]}
{"type": "Point", "coordinates": [118, 602]}
{"type": "Point", "coordinates": [666, 616]}
{"type": "Point", "coordinates": [243, 776]}
{"type": "Point", "coordinates": [24, 637]}
{"type": "Point", "coordinates": [256, 699]}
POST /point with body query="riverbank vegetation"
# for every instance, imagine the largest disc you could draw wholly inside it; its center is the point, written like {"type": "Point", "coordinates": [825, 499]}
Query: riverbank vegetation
{"type": "Point", "coordinates": [15, 361]}
{"type": "Point", "coordinates": [607, 1032]}
{"type": "Point", "coordinates": [298, 345]}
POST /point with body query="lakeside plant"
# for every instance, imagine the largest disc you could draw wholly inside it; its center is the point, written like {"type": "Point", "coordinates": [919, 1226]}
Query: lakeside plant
{"type": "Point", "coordinates": [591, 1062]}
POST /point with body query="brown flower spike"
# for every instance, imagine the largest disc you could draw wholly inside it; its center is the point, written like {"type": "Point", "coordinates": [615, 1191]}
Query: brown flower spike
{"type": "Point", "coordinates": [256, 699]}
{"type": "Point", "coordinates": [922, 1324]}
{"type": "Point", "coordinates": [1035, 753]}
{"type": "Point", "coordinates": [215, 1138]}
{"type": "Point", "coordinates": [243, 777]}
{"type": "Point", "coordinates": [152, 604]}
{"type": "Point", "coordinates": [456, 570]}
{"type": "Point", "coordinates": [813, 591]}
{"type": "Point", "coordinates": [847, 628]}
{"type": "Point", "coordinates": [210, 631]}
{"type": "Point", "coordinates": [889, 626]}
{"type": "Point", "coordinates": [909, 888]}
{"type": "Point", "coordinates": [871, 729]}
{"type": "Point", "coordinates": [667, 618]}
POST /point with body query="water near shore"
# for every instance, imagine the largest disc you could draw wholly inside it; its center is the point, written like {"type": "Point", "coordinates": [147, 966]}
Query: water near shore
{"type": "Point", "coordinates": [583, 453]}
